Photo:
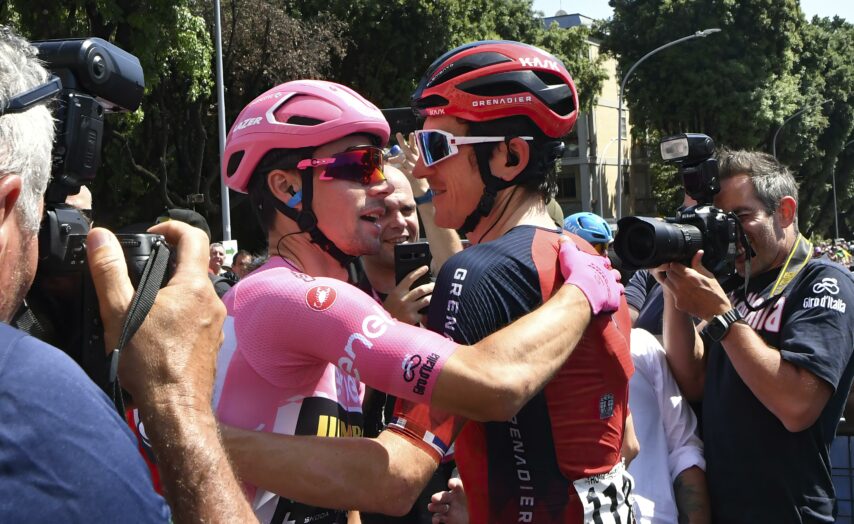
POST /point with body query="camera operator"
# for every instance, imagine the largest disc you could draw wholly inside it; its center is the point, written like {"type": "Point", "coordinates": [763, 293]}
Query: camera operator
{"type": "Point", "coordinates": [772, 359]}
{"type": "Point", "coordinates": [64, 452]}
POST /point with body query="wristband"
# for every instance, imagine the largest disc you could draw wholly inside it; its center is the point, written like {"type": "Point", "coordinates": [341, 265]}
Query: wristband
{"type": "Point", "coordinates": [426, 198]}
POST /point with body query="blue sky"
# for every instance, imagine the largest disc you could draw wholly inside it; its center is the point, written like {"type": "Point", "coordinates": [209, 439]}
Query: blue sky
{"type": "Point", "coordinates": [600, 8]}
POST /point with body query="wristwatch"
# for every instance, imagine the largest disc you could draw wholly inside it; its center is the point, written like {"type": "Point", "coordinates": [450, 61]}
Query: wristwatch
{"type": "Point", "coordinates": [719, 325]}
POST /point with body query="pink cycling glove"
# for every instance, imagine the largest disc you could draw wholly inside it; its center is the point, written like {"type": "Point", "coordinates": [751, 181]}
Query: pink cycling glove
{"type": "Point", "coordinates": [592, 274]}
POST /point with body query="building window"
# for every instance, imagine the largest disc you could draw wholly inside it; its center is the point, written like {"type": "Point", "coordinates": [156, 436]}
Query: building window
{"type": "Point", "coordinates": [567, 183]}
{"type": "Point", "coordinates": [625, 131]}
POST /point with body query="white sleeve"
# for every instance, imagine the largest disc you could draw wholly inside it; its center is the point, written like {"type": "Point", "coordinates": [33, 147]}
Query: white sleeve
{"type": "Point", "coordinates": [685, 449]}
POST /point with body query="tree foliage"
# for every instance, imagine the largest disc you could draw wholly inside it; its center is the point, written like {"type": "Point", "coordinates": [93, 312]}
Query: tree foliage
{"type": "Point", "coordinates": [392, 43]}
{"type": "Point", "coordinates": [740, 85]}
{"type": "Point", "coordinates": [168, 150]}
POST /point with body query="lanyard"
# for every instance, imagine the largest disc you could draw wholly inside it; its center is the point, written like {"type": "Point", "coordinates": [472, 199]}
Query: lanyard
{"type": "Point", "coordinates": [799, 256]}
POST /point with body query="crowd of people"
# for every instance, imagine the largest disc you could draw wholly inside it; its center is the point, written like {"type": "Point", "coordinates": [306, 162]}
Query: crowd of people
{"type": "Point", "coordinates": [838, 250]}
{"type": "Point", "coordinates": [518, 385]}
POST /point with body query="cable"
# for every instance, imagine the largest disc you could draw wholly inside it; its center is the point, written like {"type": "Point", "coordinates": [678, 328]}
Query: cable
{"type": "Point", "coordinates": [498, 218]}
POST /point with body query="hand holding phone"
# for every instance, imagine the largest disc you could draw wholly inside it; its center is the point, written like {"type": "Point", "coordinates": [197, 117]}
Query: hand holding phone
{"type": "Point", "coordinates": [409, 257]}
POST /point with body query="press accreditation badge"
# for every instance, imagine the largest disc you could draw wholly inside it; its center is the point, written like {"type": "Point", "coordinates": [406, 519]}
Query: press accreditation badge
{"type": "Point", "coordinates": [607, 497]}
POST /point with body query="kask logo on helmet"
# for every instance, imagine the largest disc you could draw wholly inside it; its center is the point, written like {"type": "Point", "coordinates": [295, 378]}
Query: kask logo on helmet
{"type": "Point", "coordinates": [540, 63]}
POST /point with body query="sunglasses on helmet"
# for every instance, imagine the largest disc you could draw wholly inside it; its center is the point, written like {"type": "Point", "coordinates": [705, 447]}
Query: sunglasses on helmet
{"type": "Point", "coordinates": [363, 164]}
{"type": "Point", "coordinates": [435, 145]}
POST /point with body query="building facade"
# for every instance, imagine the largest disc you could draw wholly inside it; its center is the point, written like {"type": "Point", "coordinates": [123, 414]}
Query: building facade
{"type": "Point", "coordinates": [587, 180]}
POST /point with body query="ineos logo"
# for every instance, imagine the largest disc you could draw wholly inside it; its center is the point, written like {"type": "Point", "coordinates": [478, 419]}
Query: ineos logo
{"type": "Point", "coordinates": [827, 284]}
{"type": "Point", "coordinates": [409, 366]}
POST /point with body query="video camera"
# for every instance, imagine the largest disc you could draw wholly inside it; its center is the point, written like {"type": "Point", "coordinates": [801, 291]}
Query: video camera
{"type": "Point", "coordinates": [644, 242]}
{"type": "Point", "coordinates": [62, 309]}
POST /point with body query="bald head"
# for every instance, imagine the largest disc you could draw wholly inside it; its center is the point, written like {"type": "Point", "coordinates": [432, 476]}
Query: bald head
{"type": "Point", "coordinates": [400, 222]}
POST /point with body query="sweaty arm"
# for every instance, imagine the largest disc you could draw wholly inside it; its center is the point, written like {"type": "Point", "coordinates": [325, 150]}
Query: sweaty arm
{"type": "Point", "coordinates": [383, 475]}
{"type": "Point", "coordinates": [168, 367]}
{"type": "Point", "coordinates": [685, 351]}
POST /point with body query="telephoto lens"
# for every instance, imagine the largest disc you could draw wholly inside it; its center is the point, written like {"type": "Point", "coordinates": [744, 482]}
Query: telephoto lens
{"type": "Point", "coordinates": [644, 242]}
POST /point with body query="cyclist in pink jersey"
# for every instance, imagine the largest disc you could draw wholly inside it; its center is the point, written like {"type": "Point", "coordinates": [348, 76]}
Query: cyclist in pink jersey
{"type": "Point", "coordinates": [299, 340]}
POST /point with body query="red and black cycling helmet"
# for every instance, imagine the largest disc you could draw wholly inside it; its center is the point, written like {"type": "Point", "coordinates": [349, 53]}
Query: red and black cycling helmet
{"type": "Point", "coordinates": [495, 79]}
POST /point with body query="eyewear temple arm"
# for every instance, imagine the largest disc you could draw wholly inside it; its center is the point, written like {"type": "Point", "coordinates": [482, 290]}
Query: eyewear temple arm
{"type": "Point", "coordinates": [31, 97]}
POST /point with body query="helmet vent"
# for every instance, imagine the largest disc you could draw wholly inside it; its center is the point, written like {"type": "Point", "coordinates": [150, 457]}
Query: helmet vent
{"type": "Point", "coordinates": [234, 163]}
{"type": "Point", "coordinates": [451, 73]}
{"type": "Point", "coordinates": [496, 89]}
{"type": "Point", "coordinates": [303, 121]}
{"type": "Point", "coordinates": [430, 101]}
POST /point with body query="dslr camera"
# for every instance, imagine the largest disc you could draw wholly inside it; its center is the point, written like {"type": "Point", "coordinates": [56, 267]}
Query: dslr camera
{"type": "Point", "coordinates": [645, 242]}
{"type": "Point", "coordinates": [90, 77]}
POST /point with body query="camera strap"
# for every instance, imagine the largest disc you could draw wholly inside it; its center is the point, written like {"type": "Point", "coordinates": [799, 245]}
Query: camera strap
{"type": "Point", "coordinates": [799, 256]}
{"type": "Point", "coordinates": [143, 299]}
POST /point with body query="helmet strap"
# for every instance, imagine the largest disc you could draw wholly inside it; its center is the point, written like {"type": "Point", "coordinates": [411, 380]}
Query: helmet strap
{"type": "Point", "coordinates": [307, 221]}
{"type": "Point", "coordinates": [491, 186]}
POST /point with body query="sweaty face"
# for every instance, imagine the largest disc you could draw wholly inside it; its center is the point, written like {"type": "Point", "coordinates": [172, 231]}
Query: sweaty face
{"type": "Point", "coordinates": [455, 181]}
{"type": "Point", "coordinates": [348, 212]}
{"type": "Point", "coordinates": [399, 223]}
{"type": "Point", "coordinates": [763, 230]}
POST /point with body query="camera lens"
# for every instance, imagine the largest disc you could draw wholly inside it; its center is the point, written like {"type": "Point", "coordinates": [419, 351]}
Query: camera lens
{"type": "Point", "coordinates": [643, 242]}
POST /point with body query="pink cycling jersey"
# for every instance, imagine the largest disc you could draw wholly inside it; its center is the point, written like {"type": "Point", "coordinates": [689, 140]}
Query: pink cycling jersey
{"type": "Point", "coordinates": [297, 349]}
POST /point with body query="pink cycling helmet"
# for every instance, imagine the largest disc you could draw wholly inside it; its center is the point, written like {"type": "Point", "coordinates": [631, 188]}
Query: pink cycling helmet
{"type": "Point", "coordinates": [294, 115]}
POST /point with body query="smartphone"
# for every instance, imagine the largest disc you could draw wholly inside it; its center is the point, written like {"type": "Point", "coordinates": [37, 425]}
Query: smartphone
{"type": "Point", "coordinates": [401, 119]}
{"type": "Point", "coordinates": [409, 257]}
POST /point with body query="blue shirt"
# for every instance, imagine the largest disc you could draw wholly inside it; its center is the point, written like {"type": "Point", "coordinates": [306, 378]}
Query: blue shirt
{"type": "Point", "coordinates": [65, 455]}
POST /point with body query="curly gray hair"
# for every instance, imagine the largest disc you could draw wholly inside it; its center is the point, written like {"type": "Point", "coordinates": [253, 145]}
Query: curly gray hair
{"type": "Point", "coordinates": [26, 138]}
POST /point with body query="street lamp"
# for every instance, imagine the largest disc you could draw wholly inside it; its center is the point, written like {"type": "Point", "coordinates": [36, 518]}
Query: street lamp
{"type": "Point", "coordinates": [786, 121]}
{"type": "Point", "coordinates": [699, 34]}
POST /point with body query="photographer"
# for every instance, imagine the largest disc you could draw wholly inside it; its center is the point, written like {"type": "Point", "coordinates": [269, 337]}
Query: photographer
{"type": "Point", "coordinates": [65, 454]}
{"type": "Point", "coordinates": [772, 359]}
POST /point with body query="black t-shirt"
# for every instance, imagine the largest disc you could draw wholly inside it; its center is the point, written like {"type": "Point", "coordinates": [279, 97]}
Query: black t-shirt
{"type": "Point", "coordinates": [757, 470]}
{"type": "Point", "coordinates": [644, 294]}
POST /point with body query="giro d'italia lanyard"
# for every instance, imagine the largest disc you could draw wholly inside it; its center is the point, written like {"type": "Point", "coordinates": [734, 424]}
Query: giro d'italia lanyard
{"type": "Point", "coordinates": [795, 262]}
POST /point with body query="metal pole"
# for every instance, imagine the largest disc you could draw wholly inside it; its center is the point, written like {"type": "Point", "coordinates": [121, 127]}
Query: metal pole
{"type": "Point", "coordinates": [220, 95]}
{"type": "Point", "coordinates": [786, 121]}
{"type": "Point", "coordinates": [601, 170]}
{"type": "Point", "coordinates": [699, 34]}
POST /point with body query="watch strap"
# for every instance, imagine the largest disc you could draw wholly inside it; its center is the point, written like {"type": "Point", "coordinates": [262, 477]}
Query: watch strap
{"type": "Point", "coordinates": [723, 323]}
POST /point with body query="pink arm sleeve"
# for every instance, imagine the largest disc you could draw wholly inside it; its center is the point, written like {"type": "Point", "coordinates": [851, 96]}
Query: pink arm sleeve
{"type": "Point", "coordinates": [329, 320]}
